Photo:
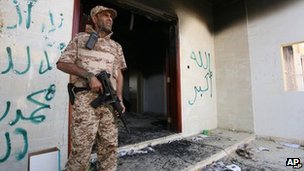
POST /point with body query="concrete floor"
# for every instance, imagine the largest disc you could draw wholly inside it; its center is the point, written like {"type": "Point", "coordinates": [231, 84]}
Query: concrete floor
{"type": "Point", "coordinates": [180, 153]}
{"type": "Point", "coordinates": [200, 152]}
{"type": "Point", "coordinates": [266, 155]}
{"type": "Point", "coordinates": [147, 150]}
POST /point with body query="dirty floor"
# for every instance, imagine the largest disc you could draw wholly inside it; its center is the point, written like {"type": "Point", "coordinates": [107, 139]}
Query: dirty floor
{"type": "Point", "coordinates": [142, 127]}
{"type": "Point", "coordinates": [213, 152]}
{"type": "Point", "coordinates": [179, 153]}
{"type": "Point", "coordinates": [265, 155]}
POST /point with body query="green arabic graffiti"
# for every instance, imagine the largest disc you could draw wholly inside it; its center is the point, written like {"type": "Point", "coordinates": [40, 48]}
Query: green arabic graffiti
{"type": "Point", "coordinates": [34, 118]}
{"type": "Point", "coordinates": [208, 76]}
{"type": "Point", "coordinates": [11, 66]}
{"type": "Point", "coordinates": [20, 155]}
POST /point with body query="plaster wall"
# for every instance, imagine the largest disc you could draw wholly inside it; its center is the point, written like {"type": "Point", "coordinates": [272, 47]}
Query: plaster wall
{"type": "Point", "coordinates": [33, 98]}
{"type": "Point", "coordinates": [277, 113]}
{"type": "Point", "coordinates": [234, 96]}
{"type": "Point", "coordinates": [197, 64]}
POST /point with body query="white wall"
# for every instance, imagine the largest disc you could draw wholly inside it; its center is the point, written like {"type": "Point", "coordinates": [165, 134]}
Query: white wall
{"type": "Point", "coordinates": [197, 69]}
{"type": "Point", "coordinates": [32, 35]}
{"type": "Point", "coordinates": [271, 24]}
{"type": "Point", "coordinates": [233, 78]}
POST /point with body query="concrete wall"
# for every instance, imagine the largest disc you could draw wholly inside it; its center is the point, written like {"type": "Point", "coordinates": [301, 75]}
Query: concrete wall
{"type": "Point", "coordinates": [250, 85]}
{"type": "Point", "coordinates": [198, 86]}
{"type": "Point", "coordinates": [233, 79]}
{"type": "Point", "coordinates": [33, 98]}
{"type": "Point", "coordinates": [272, 23]}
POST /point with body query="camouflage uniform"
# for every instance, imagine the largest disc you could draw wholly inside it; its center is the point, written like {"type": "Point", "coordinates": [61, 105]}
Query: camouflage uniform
{"type": "Point", "coordinates": [89, 124]}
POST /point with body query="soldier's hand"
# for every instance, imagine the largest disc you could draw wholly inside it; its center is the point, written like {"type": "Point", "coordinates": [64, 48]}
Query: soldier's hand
{"type": "Point", "coordinates": [95, 85]}
{"type": "Point", "coordinates": [123, 107]}
{"type": "Point", "coordinates": [123, 110]}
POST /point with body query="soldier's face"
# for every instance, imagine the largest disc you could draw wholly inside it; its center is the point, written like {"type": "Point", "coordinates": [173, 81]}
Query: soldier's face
{"type": "Point", "coordinates": [104, 21]}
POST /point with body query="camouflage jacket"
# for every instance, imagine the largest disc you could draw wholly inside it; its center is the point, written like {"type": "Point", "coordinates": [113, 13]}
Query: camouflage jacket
{"type": "Point", "coordinates": [106, 55]}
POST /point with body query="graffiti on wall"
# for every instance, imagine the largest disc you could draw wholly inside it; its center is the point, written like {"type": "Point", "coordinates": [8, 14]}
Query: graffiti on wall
{"type": "Point", "coordinates": [30, 4]}
{"type": "Point", "coordinates": [34, 117]}
{"type": "Point", "coordinates": [45, 31]}
{"type": "Point", "coordinates": [38, 98]}
{"type": "Point", "coordinates": [202, 61]}
{"type": "Point", "coordinates": [43, 67]}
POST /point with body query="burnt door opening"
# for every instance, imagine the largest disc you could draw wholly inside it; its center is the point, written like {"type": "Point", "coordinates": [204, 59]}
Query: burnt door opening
{"type": "Point", "coordinates": [150, 81]}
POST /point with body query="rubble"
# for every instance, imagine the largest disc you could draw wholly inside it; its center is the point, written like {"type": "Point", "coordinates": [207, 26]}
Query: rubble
{"type": "Point", "coordinates": [244, 151]}
{"type": "Point", "coordinates": [199, 138]}
{"type": "Point", "coordinates": [289, 145]}
{"type": "Point", "coordinates": [135, 152]}
{"type": "Point", "coordinates": [220, 166]}
{"type": "Point", "coordinates": [260, 149]}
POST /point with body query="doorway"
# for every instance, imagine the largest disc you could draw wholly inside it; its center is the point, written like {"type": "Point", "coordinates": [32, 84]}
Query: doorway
{"type": "Point", "coordinates": [151, 82]}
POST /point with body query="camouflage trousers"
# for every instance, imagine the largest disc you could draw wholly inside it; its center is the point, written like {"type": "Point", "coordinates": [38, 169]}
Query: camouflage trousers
{"type": "Point", "coordinates": [91, 125]}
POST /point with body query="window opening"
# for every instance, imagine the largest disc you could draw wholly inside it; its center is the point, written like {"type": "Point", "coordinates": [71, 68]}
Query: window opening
{"type": "Point", "coordinates": [293, 66]}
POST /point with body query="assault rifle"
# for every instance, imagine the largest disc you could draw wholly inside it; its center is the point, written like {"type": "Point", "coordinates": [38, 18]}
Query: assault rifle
{"type": "Point", "coordinates": [108, 96]}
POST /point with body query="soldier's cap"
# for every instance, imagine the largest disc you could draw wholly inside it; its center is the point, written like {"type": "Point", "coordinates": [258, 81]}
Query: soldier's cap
{"type": "Point", "coordinates": [100, 8]}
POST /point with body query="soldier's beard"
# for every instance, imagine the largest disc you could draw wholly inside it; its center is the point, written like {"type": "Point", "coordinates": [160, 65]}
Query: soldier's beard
{"type": "Point", "coordinates": [105, 28]}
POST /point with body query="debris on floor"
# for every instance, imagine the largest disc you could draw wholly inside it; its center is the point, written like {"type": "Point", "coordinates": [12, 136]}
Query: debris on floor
{"type": "Point", "coordinates": [205, 132]}
{"type": "Point", "coordinates": [233, 167]}
{"type": "Point", "coordinates": [135, 152]}
{"type": "Point", "coordinates": [260, 149]}
{"type": "Point", "coordinates": [173, 155]}
{"type": "Point", "coordinates": [244, 151]}
{"type": "Point", "coordinates": [267, 156]}
{"type": "Point", "coordinates": [220, 166]}
{"type": "Point", "coordinates": [186, 153]}
{"type": "Point", "coordinates": [199, 138]}
{"type": "Point", "coordinates": [289, 145]}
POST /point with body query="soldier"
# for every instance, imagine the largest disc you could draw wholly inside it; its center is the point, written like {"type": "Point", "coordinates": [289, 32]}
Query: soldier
{"type": "Point", "coordinates": [89, 124]}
